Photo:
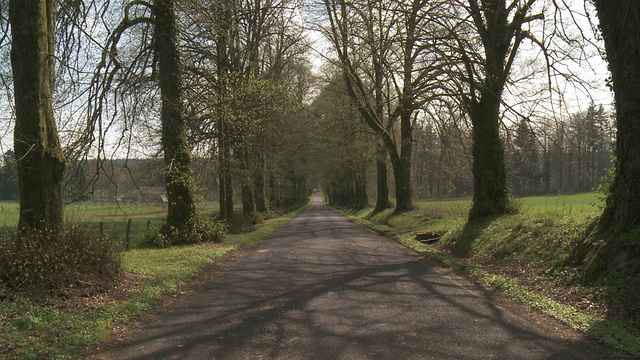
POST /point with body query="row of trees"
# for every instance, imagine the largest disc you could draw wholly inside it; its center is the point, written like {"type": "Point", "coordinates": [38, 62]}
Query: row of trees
{"type": "Point", "coordinates": [540, 158]}
{"type": "Point", "coordinates": [402, 62]}
{"type": "Point", "coordinates": [229, 77]}
{"type": "Point", "coordinates": [448, 67]}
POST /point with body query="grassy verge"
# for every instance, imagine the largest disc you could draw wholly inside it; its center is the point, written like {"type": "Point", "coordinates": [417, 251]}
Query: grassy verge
{"type": "Point", "coordinates": [60, 328]}
{"type": "Point", "coordinates": [525, 256]}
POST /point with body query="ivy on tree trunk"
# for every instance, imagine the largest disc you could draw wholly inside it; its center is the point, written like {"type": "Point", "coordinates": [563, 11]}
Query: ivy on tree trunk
{"type": "Point", "coordinates": [177, 155]}
{"type": "Point", "coordinates": [491, 195]}
{"type": "Point", "coordinates": [40, 160]}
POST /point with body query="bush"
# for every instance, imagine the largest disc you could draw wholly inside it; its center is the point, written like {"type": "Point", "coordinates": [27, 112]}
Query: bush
{"type": "Point", "coordinates": [197, 231]}
{"type": "Point", "coordinates": [256, 218]}
{"type": "Point", "coordinates": [239, 224]}
{"type": "Point", "coordinates": [75, 260]}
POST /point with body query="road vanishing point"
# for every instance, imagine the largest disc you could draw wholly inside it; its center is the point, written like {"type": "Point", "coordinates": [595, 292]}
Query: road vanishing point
{"type": "Point", "coordinates": [323, 287]}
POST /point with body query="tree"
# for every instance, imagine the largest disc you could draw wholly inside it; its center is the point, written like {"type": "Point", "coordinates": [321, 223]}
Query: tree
{"type": "Point", "coordinates": [152, 63]}
{"type": "Point", "coordinates": [177, 156]}
{"type": "Point", "coordinates": [487, 66]}
{"type": "Point", "coordinates": [384, 45]}
{"type": "Point", "coordinates": [620, 27]}
{"type": "Point", "coordinates": [40, 160]}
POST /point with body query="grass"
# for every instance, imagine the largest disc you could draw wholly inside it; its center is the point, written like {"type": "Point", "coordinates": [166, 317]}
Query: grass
{"type": "Point", "coordinates": [62, 329]}
{"type": "Point", "coordinates": [145, 219]}
{"type": "Point", "coordinates": [530, 255]}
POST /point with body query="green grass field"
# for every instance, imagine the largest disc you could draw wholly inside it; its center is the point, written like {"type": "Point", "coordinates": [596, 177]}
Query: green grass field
{"type": "Point", "coordinates": [145, 219]}
{"type": "Point", "coordinates": [547, 204]}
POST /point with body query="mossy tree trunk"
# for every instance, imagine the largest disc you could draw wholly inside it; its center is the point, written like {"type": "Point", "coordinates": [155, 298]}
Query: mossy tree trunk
{"type": "Point", "coordinates": [177, 155]}
{"type": "Point", "coordinates": [620, 25]}
{"type": "Point", "coordinates": [224, 15]}
{"type": "Point", "coordinates": [40, 160]}
{"type": "Point", "coordinates": [490, 195]}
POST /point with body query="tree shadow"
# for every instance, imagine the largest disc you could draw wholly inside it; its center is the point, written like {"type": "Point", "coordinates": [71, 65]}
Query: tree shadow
{"type": "Point", "coordinates": [472, 230]}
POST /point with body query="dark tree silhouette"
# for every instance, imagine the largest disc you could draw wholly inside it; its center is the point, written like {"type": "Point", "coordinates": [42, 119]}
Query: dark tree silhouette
{"type": "Point", "coordinates": [620, 26]}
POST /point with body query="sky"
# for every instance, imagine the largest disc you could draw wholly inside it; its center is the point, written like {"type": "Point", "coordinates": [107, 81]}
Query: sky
{"type": "Point", "coordinates": [568, 99]}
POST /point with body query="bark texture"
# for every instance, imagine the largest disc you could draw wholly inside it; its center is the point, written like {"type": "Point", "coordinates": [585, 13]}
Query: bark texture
{"type": "Point", "coordinates": [40, 160]}
{"type": "Point", "coordinates": [177, 155]}
{"type": "Point", "coordinates": [620, 25]}
{"type": "Point", "coordinates": [382, 181]}
{"type": "Point", "coordinates": [490, 195]}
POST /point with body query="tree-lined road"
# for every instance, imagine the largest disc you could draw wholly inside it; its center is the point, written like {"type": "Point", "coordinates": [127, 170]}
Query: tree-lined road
{"type": "Point", "coordinates": [322, 287]}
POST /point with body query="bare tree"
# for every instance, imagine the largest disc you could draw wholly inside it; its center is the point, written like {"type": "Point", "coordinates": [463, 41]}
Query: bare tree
{"type": "Point", "coordinates": [383, 48]}
{"type": "Point", "coordinates": [486, 37]}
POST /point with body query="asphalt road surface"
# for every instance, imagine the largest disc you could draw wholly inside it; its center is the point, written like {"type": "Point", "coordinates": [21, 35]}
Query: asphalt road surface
{"type": "Point", "coordinates": [322, 287]}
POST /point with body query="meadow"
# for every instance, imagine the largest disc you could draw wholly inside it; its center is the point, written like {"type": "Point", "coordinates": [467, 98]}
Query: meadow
{"type": "Point", "coordinates": [582, 203]}
{"type": "Point", "coordinates": [145, 219]}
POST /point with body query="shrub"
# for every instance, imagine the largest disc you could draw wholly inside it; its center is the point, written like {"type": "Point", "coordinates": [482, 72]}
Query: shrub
{"type": "Point", "coordinates": [239, 224]}
{"type": "Point", "coordinates": [197, 231]}
{"type": "Point", "coordinates": [256, 218]}
{"type": "Point", "coordinates": [74, 260]}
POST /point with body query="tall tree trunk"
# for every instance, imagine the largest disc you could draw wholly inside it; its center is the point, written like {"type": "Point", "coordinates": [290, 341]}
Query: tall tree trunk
{"type": "Point", "coordinates": [223, 16]}
{"type": "Point", "coordinates": [620, 24]}
{"type": "Point", "coordinates": [259, 186]}
{"type": "Point", "coordinates": [248, 200]}
{"type": "Point", "coordinates": [501, 40]}
{"type": "Point", "coordinates": [40, 160]}
{"type": "Point", "coordinates": [224, 177]}
{"type": "Point", "coordinates": [490, 195]}
{"type": "Point", "coordinates": [382, 176]}
{"type": "Point", "coordinates": [403, 173]}
{"type": "Point", "coordinates": [177, 155]}
{"type": "Point", "coordinates": [382, 181]}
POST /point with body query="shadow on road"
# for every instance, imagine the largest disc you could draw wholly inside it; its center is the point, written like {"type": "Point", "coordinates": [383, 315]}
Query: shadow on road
{"type": "Point", "coordinates": [323, 288]}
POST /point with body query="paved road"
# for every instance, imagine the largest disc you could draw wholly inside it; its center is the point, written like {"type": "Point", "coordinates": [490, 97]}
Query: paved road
{"type": "Point", "coordinates": [322, 287]}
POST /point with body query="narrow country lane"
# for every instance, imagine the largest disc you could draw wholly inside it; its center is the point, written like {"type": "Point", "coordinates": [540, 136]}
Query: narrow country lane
{"type": "Point", "coordinates": [322, 287]}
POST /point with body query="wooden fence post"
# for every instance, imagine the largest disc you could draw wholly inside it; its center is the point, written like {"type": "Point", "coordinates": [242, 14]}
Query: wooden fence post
{"type": "Point", "coordinates": [102, 229]}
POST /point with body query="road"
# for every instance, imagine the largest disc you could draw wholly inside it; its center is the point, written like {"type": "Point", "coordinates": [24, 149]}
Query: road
{"type": "Point", "coordinates": [322, 287]}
